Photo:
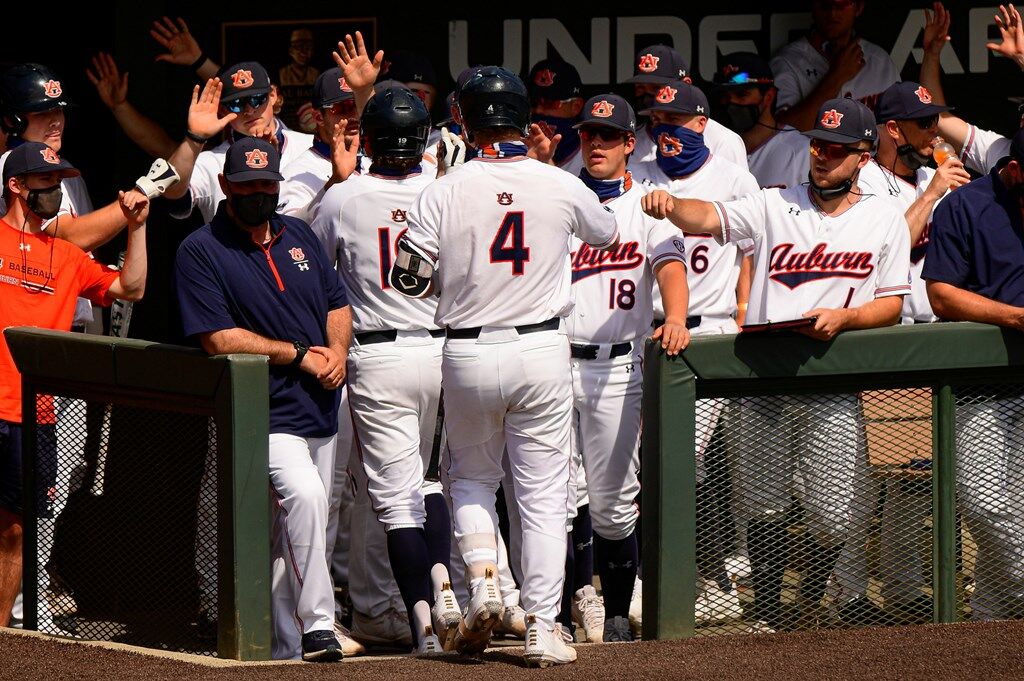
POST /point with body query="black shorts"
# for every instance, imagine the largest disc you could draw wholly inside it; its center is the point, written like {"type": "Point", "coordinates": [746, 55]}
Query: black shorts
{"type": "Point", "coordinates": [10, 468]}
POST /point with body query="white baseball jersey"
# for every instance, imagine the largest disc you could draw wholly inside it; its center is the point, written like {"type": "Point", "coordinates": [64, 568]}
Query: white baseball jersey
{"type": "Point", "coordinates": [613, 288]}
{"type": "Point", "coordinates": [983, 149]}
{"type": "Point", "coordinates": [901, 194]}
{"type": "Point", "coordinates": [783, 161]}
{"type": "Point", "coordinates": [359, 221]}
{"type": "Point", "coordinates": [204, 186]}
{"type": "Point", "coordinates": [719, 139]}
{"type": "Point", "coordinates": [713, 269]}
{"type": "Point", "coordinates": [798, 68]}
{"type": "Point", "coordinates": [304, 180]}
{"type": "Point", "coordinates": [497, 232]}
{"type": "Point", "coordinates": [804, 259]}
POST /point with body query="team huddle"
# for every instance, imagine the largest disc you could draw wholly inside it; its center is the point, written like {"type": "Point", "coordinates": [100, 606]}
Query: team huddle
{"type": "Point", "coordinates": [454, 315]}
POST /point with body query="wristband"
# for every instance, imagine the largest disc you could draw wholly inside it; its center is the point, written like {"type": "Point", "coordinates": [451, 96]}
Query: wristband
{"type": "Point", "coordinates": [198, 62]}
{"type": "Point", "coordinates": [300, 351]}
{"type": "Point", "coordinates": [196, 138]}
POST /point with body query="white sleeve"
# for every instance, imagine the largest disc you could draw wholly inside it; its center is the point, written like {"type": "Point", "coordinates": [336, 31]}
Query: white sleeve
{"type": "Point", "coordinates": [893, 275]}
{"type": "Point", "coordinates": [786, 82]}
{"type": "Point", "coordinates": [664, 243]}
{"type": "Point", "coordinates": [298, 193]}
{"type": "Point", "coordinates": [425, 221]}
{"type": "Point", "coordinates": [326, 223]}
{"type": "Point", "coordinates": [594, 222]}
{"type": "Point", "coordinates": [200, 188]}
{"type": "Point", "coordinates": [983, 149]}
{"type": "Point", "coordinates": [744, 218]}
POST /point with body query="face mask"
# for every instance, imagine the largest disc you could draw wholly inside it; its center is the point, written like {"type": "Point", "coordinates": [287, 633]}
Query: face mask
{"type": "Point", "coordinates": [909, 156]}
{"type": "Point", "coordinates": [562, 126]}
{"type": "Point", "coordinates": [739, 117]}
{"type": "Point", "coordinates": [840, 190]}
{"type": "Point", "coordinates": [252, 210]}
{"type": "Point", "coordinates": [681, 151]}
{"type": "Point", "coordinates": [45, 203]}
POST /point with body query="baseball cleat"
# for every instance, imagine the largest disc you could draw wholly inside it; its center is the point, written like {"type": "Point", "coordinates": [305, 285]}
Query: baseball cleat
{"type": "Point", "coordinates": [715, 605]}
{"type": "Point", "coordinates": [588, 612]}
{"type": "Point", "coordinates": [321, 646]}
{"type": "Point", "coordinates": [430, 645]}
{"type": "Point", "coordinates": [390, 629]}
{"type": "Point", "coordinates": [545, 647]}
{"type": "Point", "coordinates": [349, 646]}
{"type": "Point", "coordinates": [447, 616]}
{"type": "Point", "coordinates": [512, 623]}
{"type": "Point", "coordinates": [484, 612]}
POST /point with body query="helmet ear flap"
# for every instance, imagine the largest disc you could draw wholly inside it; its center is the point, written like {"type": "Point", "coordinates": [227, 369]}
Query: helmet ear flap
{"type": "Point", "coordinates": [12, 123]}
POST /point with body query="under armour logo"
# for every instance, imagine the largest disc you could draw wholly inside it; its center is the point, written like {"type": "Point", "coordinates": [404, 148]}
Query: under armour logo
{"type": "Point", "coordinates": [794, 211]}
{"type": "Point", "coordinates": [812, 73]}
{"type": "Point", "coordinates": [303, 266]}
{"type": "Point", "coordinates": [24, 247]}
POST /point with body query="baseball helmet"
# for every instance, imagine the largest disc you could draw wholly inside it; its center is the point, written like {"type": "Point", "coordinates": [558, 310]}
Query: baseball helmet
{"type": "Point", "coordinates": [27, 88]}
{"type": "Point", "coordinates": [396, 123]}
{"type": "Point", "coordinates": [494, 97]}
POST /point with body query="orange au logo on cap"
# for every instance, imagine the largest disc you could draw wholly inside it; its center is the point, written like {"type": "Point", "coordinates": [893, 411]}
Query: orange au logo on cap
{"type": "Point", "coordinates": [666, 94]}
{"type": "Point", "coordinates": [923, 94]}
{"type": "Point", "coordinates": [52, 88]}
{"type": "Point", "coordinates": [544, 78]}
{"type": "Point", "coordinates": [602, 109]}
{"type": "Point", "coordinates": [831, 119]}
{"type": "Point", "coordinates": [242, 78]}
{"type": "Point", "coordinates": [730, 69]}
{"type": "Point", "coordinates": [344, 85]}
{"type": "Point", "coordinates": [648, 63]}
{"type": "Point", "coordinates": [668, 145]}
{"type": "Point", "coordinates": [50, 156]}
{"type": "Point", "coordinates": [257, 158]}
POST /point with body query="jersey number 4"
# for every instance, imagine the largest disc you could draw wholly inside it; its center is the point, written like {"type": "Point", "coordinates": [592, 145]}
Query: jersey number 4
{"type": "Point", "coordinates": [509, 243]}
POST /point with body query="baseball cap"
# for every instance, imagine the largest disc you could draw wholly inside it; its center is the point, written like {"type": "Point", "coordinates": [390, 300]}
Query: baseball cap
{"type": "Point", "coordinates": [610, 111]}
{"type": "Point", "coordinates": [244, 79]}
{"type": "Point", "coordinates": [252, 158]}
{"type": "Point", "coordinates": [905, 101]}
{"type": "Point", "coordinates": [843, 120]}
{"type": "Point", "coordinates": [743, 69]}
{"type": "Point", "coordinates": [679, 97]}
{"type": "Point", "coordinates": [410, 67]}
{"type": "Point", "coordinates": [553, 79]}
{"type": "Point", "coordinates": [35, 157]}
{"type": "Point", "coordinates": [330, 88]}
{"type": "Point", "coordinates": [658, 64]}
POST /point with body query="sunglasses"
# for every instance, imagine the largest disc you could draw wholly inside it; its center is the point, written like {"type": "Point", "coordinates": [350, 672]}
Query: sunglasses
{"type": "Point", "coordinates": [253, 101]}
{"type": "Point", "coordinates": [602, 133]}
{"type": "Point", "coordinates": [832, 151]}
{"type": "Point", "coordinates": [926, 123]}
{"type": "Point", "coordinates": [345, 109]}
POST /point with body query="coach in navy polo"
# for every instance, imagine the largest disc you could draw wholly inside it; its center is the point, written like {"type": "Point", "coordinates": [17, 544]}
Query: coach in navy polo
{"type": "Point", "coordinates": [255, 281]}
{"type": "Point", "coordinates": [974, 271]}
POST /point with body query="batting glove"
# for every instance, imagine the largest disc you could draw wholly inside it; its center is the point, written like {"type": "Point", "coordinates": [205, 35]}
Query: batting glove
{"type": "Point", "coordinates": [161, 177]}
{"type": "Point", "coordinates": [452, 150]}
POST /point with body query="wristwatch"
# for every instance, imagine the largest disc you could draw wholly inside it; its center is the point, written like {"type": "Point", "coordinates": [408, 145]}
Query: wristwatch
{"type": "Point", "coordinates": [300, 351]}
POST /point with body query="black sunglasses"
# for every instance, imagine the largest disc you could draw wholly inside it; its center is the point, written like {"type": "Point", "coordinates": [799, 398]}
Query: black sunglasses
{"type": "Point", "coordinates": [925, 123]}
{"type": "Point", "coordinates": [254, 101]}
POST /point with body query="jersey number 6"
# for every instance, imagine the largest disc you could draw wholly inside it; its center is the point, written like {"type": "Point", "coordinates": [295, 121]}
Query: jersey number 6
{"type": "Point", "coordinates": [516, 252]}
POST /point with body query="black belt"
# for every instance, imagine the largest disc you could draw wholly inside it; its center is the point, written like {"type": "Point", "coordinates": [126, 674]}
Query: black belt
{"type": "Point", "coordinates": [691, 322]}
{"type": "Point", "coordinates": [474, 332]}
{"type": "Point", "coordinates": [388, 335]}
{"type": "Point", "coordinates": [579, 351]}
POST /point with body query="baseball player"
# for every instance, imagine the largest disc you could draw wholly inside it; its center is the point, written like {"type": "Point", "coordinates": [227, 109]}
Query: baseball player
{"type": "Point", "coordinates": [556, 101]}
{"type": "Point", "coordinates": [776, 154]}
{"type": "Point", "coordinates": [394, 376]}
{"type": "Point", "coordinates": [503, 277]}
{"type": "Point", "coordinates": [611, 318]}
{"type": "Point", "coordinates": [830, 61]}
{"type": "Point", "coordinates": [840, 258]}
{"type": "Point", "coordinates": [974, 273]}
{"type": "Point", "coordinates": [654, 67]}
{"type": "Point", "coordinates": [415, 72]}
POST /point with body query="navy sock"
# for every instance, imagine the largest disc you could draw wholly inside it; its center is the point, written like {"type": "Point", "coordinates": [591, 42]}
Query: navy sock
{"type": "Point", "coordinates": [410, 563]}
{"type": "Point", "coordinates": [438, 529]}
{"type": "Point", "coordinates": [616, 563]}
{"type": "Point", "coordinates": [583, 549]}
{"type": "Point", "coordinates": [565, 614]}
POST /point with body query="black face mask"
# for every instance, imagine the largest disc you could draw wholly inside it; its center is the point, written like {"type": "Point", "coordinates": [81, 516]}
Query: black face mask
{"type": "Point", "coordinates": [252, 210]}
{"type": "Point", "coordinates": [45, 203]}
{"type": "Point", "coordinates": [839, 191]}
{"type": "Point", "coordinates": [739, 117]}
{"type": "Point", "coordinates": [910, 157]}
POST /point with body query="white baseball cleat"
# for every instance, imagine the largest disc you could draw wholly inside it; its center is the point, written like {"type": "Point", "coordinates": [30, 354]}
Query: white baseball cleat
{"type": "Point", "coordinates": [636, 608]}
{"type": "Point", "coordinates": [484, 612]}
{"type": "Point", "coordinates": [737, 567]}
{"type": "Point", "coordinates": [430, 645]}
{"type": "Point", "coordinates": [349, 646]}
{"type": "Point", "coordinates": [715, 605]}
{"type": "Point", "coordinates": [447, 616]}
{"type": "Point", "coordinates": [545, 647]}
{"type": "Point", "coordinates": [512, 623]}
{"type": "Point", "coordinates": [588, 612]}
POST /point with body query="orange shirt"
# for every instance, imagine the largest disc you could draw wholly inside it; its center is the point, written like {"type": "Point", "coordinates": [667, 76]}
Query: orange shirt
{"type": "Point", "coordinates": [40, 278]}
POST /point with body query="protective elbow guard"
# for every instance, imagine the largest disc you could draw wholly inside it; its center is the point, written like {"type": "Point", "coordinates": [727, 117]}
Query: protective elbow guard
{"type": "Point", "coordinates": [411, 273]}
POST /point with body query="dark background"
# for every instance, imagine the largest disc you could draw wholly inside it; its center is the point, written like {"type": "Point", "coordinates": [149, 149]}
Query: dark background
{"type": "Point", "coordinates": [67, 37]}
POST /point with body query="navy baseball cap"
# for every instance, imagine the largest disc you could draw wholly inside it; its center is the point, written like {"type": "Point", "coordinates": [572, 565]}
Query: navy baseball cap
{"type": "Point", "coordinates": [905, 101]}
{"type": "Point", "coordinates": [679, 97]}
{"type": "Point", "coordinates": [252, 158]}
{"type": "Point", "coordinates": [244, 79]}
{"type": "Point", "coordinates": [553, 79]}
{"type": "Point", "coordinates": [610, 111]}
{"type": "Point", "coordinates": [844, 120]}
{"type": "Point", "coordinates": [409, 67]}
{"type": "Point", "coordinates": [35, 157]}
{"type": "Point", "coordinates": [743, 70]}
{"type": "Point", "coordinates": [658, 64]}
{"type": "Point", "coordinates": [330, 88]}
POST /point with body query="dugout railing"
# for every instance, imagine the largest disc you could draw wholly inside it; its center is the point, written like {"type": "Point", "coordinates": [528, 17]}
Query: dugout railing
{"type": "Point", "coordinates": [924, 424]}
{"type": "Point", "coordinates": [148, 470]}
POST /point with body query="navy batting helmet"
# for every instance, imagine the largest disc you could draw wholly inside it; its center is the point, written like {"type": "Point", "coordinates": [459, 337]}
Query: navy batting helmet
{"type": "Point", "coordinates": [27, 88]}
{"type": "Point", "coordinates": [396, 123]}
{"type": "Point", "coordinates": [494, 97]}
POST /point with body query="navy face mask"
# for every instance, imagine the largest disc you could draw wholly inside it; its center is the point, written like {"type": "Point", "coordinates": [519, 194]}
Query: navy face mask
{"type": "Point", "coordinates": [681, 151]}
{"type": "Point", "coordinates": [563, 126]}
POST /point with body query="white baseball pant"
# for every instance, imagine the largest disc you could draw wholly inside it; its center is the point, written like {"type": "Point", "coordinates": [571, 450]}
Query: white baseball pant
{"type": "Point", "coordinates": [342, 500]}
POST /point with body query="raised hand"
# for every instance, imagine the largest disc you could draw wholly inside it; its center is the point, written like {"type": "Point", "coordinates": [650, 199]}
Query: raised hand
{"type": "Point", "coordinates": [359, 71]}
{"type": "Point", "coordinates": [542, 142]}
{"type": "Point", "coordinates": [182, 48]}
{"type": "Point", "coordinates": [344, 154]}
{"type": "Point", "coordinates": [1012, 33]}
{"type": "Point", "coordinates": [936, 29]}
{"type": "Point", "coordinates": [202, 112]}
{"type": "Point", "coordinates": [111, 85]}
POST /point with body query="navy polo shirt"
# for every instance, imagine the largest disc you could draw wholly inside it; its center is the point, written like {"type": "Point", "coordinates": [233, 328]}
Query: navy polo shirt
{"type": "Point", "coordinates": [283, 292]}
{"type": "Point", "coordinates": [977, 242]}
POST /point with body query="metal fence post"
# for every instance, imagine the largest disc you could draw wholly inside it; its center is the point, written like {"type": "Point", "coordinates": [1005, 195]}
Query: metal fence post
{"type": "Point", "coordinates": [944, 504]}
{"type": "Point", "coordinates": [29, 510]}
